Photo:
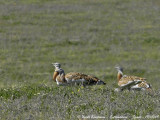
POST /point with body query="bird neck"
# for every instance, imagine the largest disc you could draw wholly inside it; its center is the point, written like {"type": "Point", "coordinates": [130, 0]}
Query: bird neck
{"type": "Point", "coordinates": [61, 74]}
{"type": "Point", "coordinates": [119, 75]}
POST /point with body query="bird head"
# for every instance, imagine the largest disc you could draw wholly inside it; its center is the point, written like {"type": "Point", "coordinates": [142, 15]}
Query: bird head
{"type": "Point", "coordinates": [119, 69]}
{"type": "Point", "coordinates": [56, 65]}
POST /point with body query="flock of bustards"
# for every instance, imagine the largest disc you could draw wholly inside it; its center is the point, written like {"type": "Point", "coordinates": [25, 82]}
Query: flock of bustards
{"type": "Point", "coordinates": [75, 78]}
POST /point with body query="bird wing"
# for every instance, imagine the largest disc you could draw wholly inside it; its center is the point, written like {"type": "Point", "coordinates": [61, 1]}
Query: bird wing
{"type": "Point", "coordinates": [142, 86]}
{"type": "Point", "coordinates": [80, 76]}
{"type": "Point", "coordinates": [128, 81]}
{"type": "Point", "coordinates": [75, 75]}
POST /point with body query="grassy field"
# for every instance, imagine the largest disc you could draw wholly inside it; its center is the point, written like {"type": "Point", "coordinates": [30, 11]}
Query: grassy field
{"type": "Point", "coordinates": [89, 36]}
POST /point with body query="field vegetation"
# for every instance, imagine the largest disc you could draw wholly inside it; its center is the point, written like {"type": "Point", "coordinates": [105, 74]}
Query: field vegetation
{"type": "Point", "coordinates": [88, 36]}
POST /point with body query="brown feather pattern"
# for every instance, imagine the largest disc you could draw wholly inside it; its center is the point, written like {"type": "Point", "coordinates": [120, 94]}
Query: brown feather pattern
{"type": "Point", "coordinates": [131, 82]}
{"type": "Point", "coordinates": [144, 85]}
{"type": "Point", "coordinates": [126, 79]}
{"type": "Point", "coordinates": [76, 76]}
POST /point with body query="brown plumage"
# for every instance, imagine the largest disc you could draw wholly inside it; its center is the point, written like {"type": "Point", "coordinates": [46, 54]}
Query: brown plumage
{"type": "Point", "coordinates": [88, 79]}
{"type": "Point", "coordinates": [74, 77]}
{"type": "Point", "coordinates": [55, 74]}
{"type": "Point", "coordinates": [131, 82]}
{"type": "Point", "coordinates": [142, 86]}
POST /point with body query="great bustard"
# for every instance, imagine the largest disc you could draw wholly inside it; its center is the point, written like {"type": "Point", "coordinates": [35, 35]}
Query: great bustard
{"type": "Point", "coordinates": [131, 82]}
{"type": "Point", "coordinates": [61, 78]}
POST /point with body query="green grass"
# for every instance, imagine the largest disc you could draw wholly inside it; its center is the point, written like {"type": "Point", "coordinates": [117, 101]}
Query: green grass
{"type": "Point", "coordinates": [85, 36]}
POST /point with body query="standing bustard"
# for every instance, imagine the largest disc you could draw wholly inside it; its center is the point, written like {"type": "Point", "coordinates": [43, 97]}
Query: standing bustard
{"type": "Point", "coordinates": [131, 82]}
{"type": "Point", "coordinates": [61, 78]}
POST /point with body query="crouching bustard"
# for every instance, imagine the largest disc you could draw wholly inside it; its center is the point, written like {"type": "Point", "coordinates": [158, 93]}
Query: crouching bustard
{"type": "Point", "coordinates": [131, 82]}
{"type": "Point", "coordinates": [61, 78]}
